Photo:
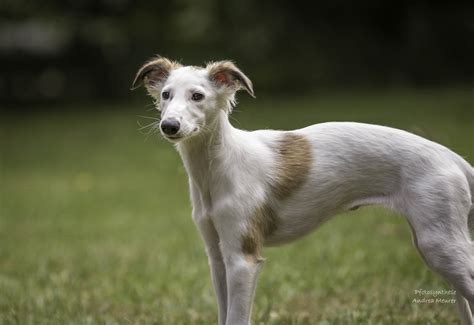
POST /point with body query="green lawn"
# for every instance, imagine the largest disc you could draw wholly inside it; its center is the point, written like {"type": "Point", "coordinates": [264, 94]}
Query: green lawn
{"type": "Point", "coordinates": [95, 222]}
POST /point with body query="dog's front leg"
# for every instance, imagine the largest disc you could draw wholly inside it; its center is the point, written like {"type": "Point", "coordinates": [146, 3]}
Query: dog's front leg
{"type": "Point", "coordinates": [242, 273]}
{"type": "Point", "coordinates": [216, 264]}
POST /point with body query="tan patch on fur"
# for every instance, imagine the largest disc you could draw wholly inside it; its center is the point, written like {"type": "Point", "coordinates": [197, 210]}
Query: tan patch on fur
{"type": "Point", "coordinates": [252, 259]}
{"type": "Point", "coordinates": [263, 223]}
{"type": "Point", "coordinates": [293, 168]}
{"type": "Point", "coordinates": [295, 158]}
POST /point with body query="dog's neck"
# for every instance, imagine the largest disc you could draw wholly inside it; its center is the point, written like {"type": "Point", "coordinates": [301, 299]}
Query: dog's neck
{"type": "Point", "coordinates": [201, 153]}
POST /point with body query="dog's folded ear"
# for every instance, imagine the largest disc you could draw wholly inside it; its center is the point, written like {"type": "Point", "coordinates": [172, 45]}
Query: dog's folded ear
{"type": "Point", "coordinates": [153, 74]}
{"type": "Point", "coordinates": [226, 74]}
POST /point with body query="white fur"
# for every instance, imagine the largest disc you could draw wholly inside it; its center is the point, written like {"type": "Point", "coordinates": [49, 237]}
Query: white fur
{"type": "Point", "coordinates": [231, 171]}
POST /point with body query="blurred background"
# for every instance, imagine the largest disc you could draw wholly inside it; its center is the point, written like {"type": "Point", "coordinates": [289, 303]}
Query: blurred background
{"type": "Point", "coordinates": [95, 222]}
{"type": "Point", "coordinates": [81, 50]}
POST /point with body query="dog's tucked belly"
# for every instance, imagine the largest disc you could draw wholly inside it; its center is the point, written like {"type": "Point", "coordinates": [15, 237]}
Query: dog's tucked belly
{"type": "Point", "coordinates": [293, 223]}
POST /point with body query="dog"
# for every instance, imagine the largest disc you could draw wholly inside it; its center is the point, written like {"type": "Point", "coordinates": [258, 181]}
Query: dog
{"type": "Point", "coordinates": [269, 187]}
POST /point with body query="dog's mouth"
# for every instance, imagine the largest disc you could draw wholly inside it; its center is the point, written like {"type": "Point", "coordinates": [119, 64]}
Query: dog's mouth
{"type": "Point", "coordinates": [173, 138]}
{"type": "Point", "coordinates": [178, 137]}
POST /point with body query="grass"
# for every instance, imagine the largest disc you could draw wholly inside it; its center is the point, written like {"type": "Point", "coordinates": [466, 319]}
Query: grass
{"type": "Point", "coordinates": [95, 222]}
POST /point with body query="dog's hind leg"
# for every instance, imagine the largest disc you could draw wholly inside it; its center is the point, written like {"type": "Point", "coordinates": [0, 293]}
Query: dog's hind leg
{"type": "Point", "coordinates": [464, 307]}
{"type": "Point", "coordinates": [437, 211]}
{"type": "Point", "coordinates": [452, 258]}
{"type": "Point", "coordinates": [433, 257]}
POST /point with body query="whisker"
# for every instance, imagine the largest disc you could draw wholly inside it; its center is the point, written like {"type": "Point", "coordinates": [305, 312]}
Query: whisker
{"type": "Point", "coordinates": [236, 120]}
{"type": "Point", "coordinates": [150, 117]}
{"type": "Point", "coordinates": [141, 126]}
{"type": "Point", "coordinates": [153, 130]}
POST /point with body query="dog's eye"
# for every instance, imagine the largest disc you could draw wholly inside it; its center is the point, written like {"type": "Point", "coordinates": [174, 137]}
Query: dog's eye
{"type": "Point", "coordinates": [165, 95]}
{"type": "Point", "coordinates": [197, 97]}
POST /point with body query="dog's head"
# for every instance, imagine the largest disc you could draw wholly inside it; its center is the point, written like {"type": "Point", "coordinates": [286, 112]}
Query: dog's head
{"type": "Point", "coordinates": [190, 98]}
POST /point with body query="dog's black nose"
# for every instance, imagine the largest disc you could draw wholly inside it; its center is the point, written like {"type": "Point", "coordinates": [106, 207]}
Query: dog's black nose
{"type": "Point", "coordinates": [170, 126]}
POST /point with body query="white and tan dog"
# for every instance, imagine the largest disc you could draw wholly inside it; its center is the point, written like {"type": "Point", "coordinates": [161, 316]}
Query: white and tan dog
{"type": "Point", "coordinates": [267, 187]}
